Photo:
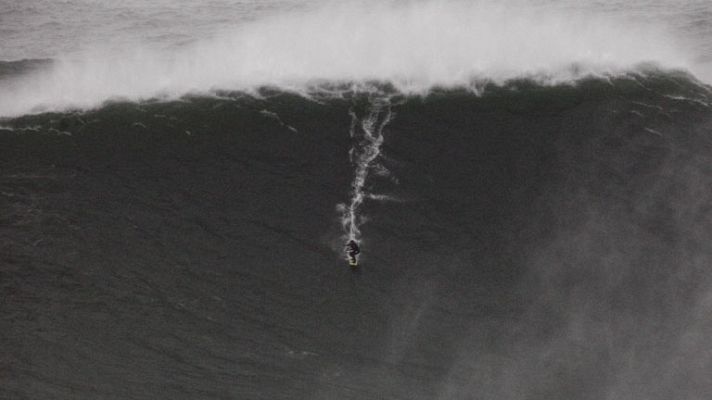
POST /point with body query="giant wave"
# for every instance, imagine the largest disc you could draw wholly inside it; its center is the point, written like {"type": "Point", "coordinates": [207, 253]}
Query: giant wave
{"type": "Point", "coordinates": [548, 242]}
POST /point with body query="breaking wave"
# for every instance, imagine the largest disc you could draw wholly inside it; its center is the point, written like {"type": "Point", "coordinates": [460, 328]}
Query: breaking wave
{"type": "Point", "coordinates": [414, 47]}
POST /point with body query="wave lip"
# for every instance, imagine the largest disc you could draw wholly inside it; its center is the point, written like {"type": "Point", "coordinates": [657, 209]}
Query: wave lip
{"type": "Point", "coordinates": [414, 47]}
{"type": "Point", "coordinates": [10, 69]}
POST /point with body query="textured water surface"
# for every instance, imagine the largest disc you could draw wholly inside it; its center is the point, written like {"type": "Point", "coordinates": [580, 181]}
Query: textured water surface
{"type": "Point", "coordinates": [529, 183]}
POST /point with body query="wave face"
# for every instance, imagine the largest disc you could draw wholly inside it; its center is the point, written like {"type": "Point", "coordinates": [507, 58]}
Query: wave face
{"type": "Point", "coordinates": [414, 46]}
{"type": "Point", "coordinates": [532, 242]}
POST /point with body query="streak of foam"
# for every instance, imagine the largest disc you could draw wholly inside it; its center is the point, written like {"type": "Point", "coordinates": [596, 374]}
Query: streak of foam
{"type": "Point", "coordinates": [383, 197]}
{"type": "Point", "coordinates": [368, 131]}
{"type": "Point", "coordinates": [33, 128]}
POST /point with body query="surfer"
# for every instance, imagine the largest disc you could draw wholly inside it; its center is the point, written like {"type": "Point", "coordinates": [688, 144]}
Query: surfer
{"type": "Point", "coordinates": [352, 250]}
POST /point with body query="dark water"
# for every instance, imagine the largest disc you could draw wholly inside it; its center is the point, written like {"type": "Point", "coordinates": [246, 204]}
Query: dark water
{"type": "Point", "coordinates": [13, 69]}
{"type": "Point", "coordinates": [539, 243]}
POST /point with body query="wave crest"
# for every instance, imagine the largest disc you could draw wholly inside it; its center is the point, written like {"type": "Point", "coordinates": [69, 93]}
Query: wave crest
{"type": "Point", "coordinates": [414, 47]}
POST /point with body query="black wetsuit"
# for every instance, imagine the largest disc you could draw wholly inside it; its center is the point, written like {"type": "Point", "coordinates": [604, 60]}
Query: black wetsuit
{"type": "Point", "coordinates": [353, 251]}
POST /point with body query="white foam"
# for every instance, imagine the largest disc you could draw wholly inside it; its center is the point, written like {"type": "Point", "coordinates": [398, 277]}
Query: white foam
{"type": "Point", "coordinates": [414, 46]}
{"type": "Point", "coordinates": [368, 130]}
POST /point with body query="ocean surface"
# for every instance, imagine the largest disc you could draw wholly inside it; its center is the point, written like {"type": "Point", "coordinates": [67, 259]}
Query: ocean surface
{"type": "Point", "coordinates": [529, 183]}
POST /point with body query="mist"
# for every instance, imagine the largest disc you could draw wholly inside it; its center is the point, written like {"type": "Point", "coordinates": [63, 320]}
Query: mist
{"type": "Point", "coordinates": [414, 46]}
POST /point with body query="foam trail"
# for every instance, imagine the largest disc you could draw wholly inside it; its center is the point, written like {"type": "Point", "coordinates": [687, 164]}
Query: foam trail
{"type": "Point", "coordinates": [369, 131]}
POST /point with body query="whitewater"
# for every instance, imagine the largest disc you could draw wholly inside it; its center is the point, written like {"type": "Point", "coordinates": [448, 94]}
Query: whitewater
{"type": "Point", "coordinates": [309, 47]}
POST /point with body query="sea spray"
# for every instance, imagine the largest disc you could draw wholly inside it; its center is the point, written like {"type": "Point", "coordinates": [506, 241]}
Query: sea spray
{"type": "Point", "coordinates": [414, 46]}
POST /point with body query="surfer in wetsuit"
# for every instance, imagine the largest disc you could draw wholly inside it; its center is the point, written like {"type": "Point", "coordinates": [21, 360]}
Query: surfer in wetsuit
{"type": "Point", "coordinates": [352, 250]}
